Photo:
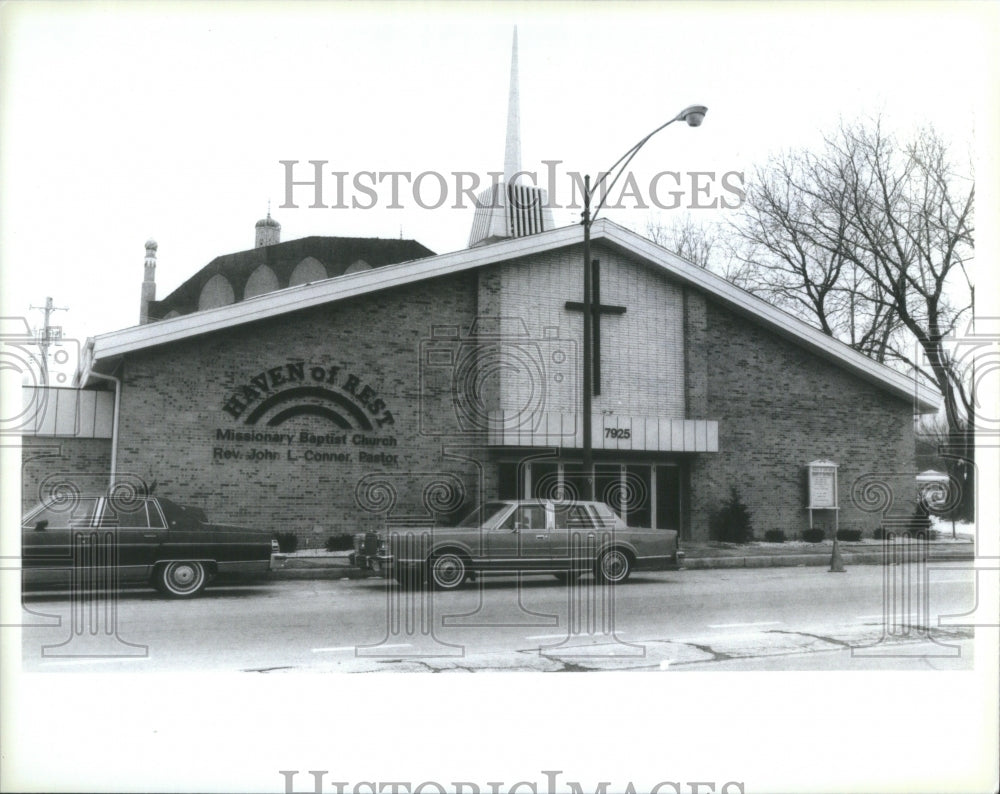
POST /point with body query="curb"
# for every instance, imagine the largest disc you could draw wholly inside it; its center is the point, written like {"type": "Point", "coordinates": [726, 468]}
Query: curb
{"type": "Point", "coordinates": [802, 560]}
{"type": "Point", "coordinates": [327, 568]}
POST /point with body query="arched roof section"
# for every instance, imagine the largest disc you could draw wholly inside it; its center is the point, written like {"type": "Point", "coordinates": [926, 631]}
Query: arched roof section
{"type": "Point", "coordinates": [261, 281]}
{"type": "Point", "coordinates": [309, 269]}
{"type": "Point", "coordinates": [357, 266]}
{"type": "Point", "coordinates": [216, 292]}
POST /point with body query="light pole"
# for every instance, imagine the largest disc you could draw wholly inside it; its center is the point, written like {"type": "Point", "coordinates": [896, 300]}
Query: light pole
{"type": "Point", "coordinates": [693, 115]}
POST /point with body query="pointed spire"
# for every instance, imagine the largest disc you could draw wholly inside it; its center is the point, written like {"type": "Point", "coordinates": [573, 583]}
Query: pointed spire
{"type": "Point", "coordinates": [510, 209]}
{"type": "Point", "coordinates": [512, 153]}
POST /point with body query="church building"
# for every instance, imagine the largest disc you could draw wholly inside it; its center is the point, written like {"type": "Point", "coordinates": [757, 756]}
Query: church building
{"type": "Point", "coordinates": [329, 385]}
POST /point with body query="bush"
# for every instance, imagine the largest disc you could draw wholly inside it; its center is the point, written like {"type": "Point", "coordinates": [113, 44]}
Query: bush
{"type": "Point", "coordinates": [775, 536]}
{"type": "Point", "coordinates": [813, 535]}
{"type": "Point", "coordinates": [341, 542]}
{"type": "Point", "coordinates": [850, 535]}
{"type": "Point", "coordinates": [288, 542]}
{"type": "Point", "coordinates": [733, 522]}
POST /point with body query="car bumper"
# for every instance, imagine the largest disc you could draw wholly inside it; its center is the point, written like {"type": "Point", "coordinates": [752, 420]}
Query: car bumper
{"type": "Point", "coordinates": [371, 562]}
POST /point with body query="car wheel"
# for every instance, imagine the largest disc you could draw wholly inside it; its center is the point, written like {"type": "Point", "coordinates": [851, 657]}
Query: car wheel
{"type": "Point", "coordinates": [181, 579]}
{"type": "Point", "coordinates": [613, 567]}
{"type": "Point", "coordinates": [448, 571]}
{"type": "Point", "coordinates": [567, 576]}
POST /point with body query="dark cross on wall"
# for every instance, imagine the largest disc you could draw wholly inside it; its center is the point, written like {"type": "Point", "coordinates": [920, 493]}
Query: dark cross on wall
{"type": "Point", "coordinates": [596, 310]}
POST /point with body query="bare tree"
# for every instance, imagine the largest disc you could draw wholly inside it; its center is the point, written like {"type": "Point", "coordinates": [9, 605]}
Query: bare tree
{"type": "Point", "coordinates": [706, 245]}
{"type": "Point", "coordinates": [690, 241]}
{"type": "Point", "coordinates": [792, 214]}
{"type": "Point", "coordinates": [869, 239]}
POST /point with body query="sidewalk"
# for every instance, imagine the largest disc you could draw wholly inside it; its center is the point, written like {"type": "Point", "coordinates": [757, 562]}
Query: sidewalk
{"type": "Point", "coordinates": [316, 564]}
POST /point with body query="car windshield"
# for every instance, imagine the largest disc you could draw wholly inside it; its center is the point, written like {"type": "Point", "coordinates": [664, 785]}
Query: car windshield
{"type": "Point", "coordinates": [482, 515]}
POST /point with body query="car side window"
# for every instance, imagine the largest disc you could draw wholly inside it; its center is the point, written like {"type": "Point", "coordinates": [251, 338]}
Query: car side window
{"type": "Point", "coordinates": [155, 519]}
{"type": "Point", "coordinates": [526, 517]}
{"type": "Point", "coordinates": [606, 517]}
{"type": "Point", "coordinates": [574, 517]}
{"type": "Point", "coordinates": [127, 515]}
{"type": "Point", "coordinates": [65, 513]}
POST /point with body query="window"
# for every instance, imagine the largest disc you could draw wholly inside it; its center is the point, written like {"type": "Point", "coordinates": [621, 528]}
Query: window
{"type": "Point", "coordinates": [62, 514]}
{"type": "Point", "coordinates": [507, 481]}
{"type": "Point", "coordinates": [545, 480]}
{"type": "Point", "coordinates": [575, 517]}
{"type": "Point", "coordinates": [126, 516]}
{"type": "Point", "coordinates": [482, 516]}
{"type": "Point", "coordinates": [526, 517]}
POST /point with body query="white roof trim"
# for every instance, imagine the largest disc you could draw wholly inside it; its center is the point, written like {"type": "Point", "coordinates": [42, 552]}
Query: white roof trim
{"type": "Point", "coordinates": [118, 343]}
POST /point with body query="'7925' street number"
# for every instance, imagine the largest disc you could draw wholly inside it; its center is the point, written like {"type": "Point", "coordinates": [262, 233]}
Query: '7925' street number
{"type": "Point", "coordinates": [618, 432]}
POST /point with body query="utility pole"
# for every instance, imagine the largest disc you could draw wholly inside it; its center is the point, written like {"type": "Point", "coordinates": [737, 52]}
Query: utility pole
{"type": "Point", "coordinates": [49, 334]}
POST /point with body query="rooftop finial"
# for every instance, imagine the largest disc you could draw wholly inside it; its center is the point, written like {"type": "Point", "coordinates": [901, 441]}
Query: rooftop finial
{"type": "Point", "coordinates": [267, 230]}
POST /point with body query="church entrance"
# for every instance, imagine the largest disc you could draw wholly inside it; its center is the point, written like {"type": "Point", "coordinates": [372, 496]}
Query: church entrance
{"type": "Point", "coordinates": [644, 494]}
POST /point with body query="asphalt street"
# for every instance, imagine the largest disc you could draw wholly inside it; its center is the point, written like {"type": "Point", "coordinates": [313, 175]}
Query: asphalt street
{"type": "Point", "coordinates": [868, 617]}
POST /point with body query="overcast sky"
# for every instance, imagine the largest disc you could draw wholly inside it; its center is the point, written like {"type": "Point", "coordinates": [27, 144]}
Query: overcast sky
{"type": "Point", "coordinates": [125, 121]}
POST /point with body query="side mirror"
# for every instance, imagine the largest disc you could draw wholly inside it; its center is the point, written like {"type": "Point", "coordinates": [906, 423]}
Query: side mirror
{"type": "Point", "coordinates": [42, 525]}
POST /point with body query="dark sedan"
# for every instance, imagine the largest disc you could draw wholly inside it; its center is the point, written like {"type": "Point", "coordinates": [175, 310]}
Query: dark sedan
{"type": "Point", "coordinates": [80, 541]}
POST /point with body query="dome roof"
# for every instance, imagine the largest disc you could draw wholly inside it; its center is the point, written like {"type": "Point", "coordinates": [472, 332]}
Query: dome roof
{"type": "Point", "coordinates": [268, 221]}
{"type": "Point", "coordinates": [151, 244]}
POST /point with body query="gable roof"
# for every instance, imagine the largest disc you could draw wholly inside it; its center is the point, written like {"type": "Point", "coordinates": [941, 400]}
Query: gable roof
{"type": "Point", "coordinates": [102, 351]}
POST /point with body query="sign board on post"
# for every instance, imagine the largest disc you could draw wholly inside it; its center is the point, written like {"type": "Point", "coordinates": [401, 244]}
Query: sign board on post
{"type": "Point", "coordinates": [822, 487]}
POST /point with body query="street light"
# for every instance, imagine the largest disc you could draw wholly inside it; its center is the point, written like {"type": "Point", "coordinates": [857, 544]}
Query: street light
{"type": "Point", "coordinates": [693, 115]}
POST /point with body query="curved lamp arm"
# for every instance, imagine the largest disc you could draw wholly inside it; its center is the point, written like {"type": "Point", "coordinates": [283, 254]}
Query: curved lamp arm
{"type": "Point", "coordinates": [693, 115]}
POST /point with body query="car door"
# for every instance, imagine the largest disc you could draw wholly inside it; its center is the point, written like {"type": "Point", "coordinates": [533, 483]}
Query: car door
{"type": "Point", "coordinates": [521, 540]}
{"type": "Point", "coordinates": [137, 529]}
{"type": "Point", "coordinates": [576, 534]}
{"type": "Point", "coordinates": [47, 538]}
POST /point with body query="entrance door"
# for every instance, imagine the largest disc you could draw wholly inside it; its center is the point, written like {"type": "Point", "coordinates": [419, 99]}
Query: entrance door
{"type": "Point", "coordinates": [668, 497]}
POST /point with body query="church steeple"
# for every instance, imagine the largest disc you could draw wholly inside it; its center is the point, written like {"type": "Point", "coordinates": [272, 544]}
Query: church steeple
{"type": "Point", "coordinates": [512, 153]}
{"type": "Point", "coordinates": [510, 209]}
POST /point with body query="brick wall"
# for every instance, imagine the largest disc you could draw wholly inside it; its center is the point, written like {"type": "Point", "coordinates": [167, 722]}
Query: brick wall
{"type": "Point", "coordinates": [780, 407]}
{"type": "Point", "coordinates": [47, 464]}
{"type": "Point", "coordinates": [173, 407]}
